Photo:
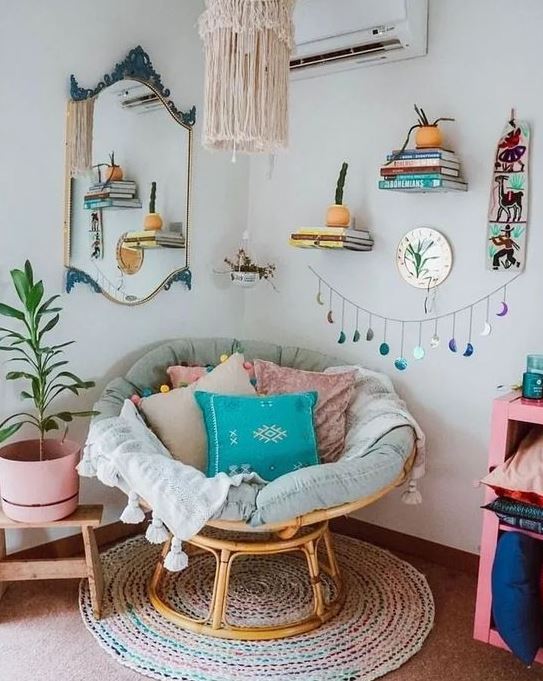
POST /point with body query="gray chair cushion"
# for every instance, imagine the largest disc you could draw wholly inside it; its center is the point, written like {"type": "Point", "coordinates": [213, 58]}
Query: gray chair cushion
{"type": "Point", "coordinates": [296, 493]}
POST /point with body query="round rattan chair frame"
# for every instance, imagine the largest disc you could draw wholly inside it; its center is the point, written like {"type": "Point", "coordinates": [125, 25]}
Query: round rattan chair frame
{"type": "Point", "coordinates": [286, 537]}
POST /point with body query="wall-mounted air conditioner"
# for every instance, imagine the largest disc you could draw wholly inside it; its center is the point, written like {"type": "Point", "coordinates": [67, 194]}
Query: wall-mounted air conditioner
{"type": "Point", "coordinates": [334, 35]}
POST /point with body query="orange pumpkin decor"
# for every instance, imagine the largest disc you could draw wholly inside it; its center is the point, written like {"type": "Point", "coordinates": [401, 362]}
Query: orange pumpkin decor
{"type": "Point", "coordinates": [112, 172]}
{"type": "Point", "coordinates": [428, 134]}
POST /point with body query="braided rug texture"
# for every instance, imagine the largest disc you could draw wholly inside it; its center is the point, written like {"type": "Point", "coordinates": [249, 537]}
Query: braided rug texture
{"type": "Point", "coordinates": [388, 613]}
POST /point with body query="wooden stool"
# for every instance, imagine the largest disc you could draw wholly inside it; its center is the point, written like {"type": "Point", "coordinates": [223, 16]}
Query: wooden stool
{"type": "Point", "coordinates": [85, 517]}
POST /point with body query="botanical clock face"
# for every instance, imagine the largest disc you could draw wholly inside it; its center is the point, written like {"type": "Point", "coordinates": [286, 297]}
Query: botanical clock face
{"type": "Point", "coordinates": [424, 257]}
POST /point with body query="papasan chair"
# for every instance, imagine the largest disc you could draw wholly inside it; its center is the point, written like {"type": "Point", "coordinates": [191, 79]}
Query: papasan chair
{"type": "Point", "coordinates": [291, 513]}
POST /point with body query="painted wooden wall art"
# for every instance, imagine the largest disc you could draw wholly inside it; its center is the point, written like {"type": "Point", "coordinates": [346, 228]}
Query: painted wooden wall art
{"type": "Point", "coordinates": [508, 209]}
{"type": "Point", "coordinates": [424, 257]}
{"type": "Point", "coordinates": [413, 332]}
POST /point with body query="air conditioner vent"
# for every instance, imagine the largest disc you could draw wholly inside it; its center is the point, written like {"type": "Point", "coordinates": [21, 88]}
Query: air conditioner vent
{"type": "Point", "coordinates": [346, 54]}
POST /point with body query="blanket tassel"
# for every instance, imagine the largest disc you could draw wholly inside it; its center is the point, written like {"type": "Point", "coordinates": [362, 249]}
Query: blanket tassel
{"type": "Point", "coordinates": [132, 513]}
{"type": "Point", "coordinates": [107, 473]}
{"type": "Point", "coordinates": [176, 559]}
{"type": "Point", "coordinates": [85, 467]}
{"type": "Point", "coordinates": [412, 496]}
{"type": "Point", "coordinates": [157, 533]}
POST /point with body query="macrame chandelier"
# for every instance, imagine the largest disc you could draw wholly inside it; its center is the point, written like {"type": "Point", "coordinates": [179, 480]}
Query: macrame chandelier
{"type": "Point", "coordinates": [247, 46]}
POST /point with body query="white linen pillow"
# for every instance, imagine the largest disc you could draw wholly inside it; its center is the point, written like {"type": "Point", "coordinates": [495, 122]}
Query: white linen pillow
{"type": "Point", "coordinates": [176, 419]}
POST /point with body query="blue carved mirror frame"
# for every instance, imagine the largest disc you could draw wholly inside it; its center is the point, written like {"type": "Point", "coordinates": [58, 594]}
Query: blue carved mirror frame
{"type": "Point", "coordinates": [136, 66]}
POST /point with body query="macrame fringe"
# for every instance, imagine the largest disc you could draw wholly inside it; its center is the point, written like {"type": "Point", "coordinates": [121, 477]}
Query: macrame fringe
{"type": "Point", "coordinates": [157, 532]}
{"type": "Point", "coordinates": [412, 496]}
{"type": "Point", "coordinates": [176, 559]}
{"type": "Point", "coordinates": [133, 513]}
{"type": "Point", "coordinates": [247, 47]}
{"type": "Point", "coordinates": [79, 129]}
{"type": "Point", "coordinates": [107, 473]}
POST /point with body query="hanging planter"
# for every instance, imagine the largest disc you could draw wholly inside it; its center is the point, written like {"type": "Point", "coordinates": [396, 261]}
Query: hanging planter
{"type": "Point", "coordinates": [244, 271]}
{"type": "Point", "coordinates": [247, 47]}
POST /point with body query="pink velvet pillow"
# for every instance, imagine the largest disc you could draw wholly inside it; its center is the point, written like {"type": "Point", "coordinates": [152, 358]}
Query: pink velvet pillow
{"type": "Point", "coordinates": [181, 376]}
{"type": "Point", "coordinates": [335, 391]}
{"type": "Point", "coordinates": [521, 476]}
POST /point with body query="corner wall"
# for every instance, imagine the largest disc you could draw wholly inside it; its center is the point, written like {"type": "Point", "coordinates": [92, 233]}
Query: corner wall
{"type": "Point", "coordinates": [475, 71]}
{"type": "Point", "coordinates": [42, 43]}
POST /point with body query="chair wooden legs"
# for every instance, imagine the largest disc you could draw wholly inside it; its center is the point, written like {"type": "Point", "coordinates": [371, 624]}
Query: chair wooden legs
{"type": "Point", "coordinates": [221, 591]}
{"type": "Point", "coordinates": [225, 550]}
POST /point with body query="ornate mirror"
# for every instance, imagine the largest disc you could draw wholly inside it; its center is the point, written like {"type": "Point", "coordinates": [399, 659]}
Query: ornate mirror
{"type": "Point", "coordinates": [128, 181]}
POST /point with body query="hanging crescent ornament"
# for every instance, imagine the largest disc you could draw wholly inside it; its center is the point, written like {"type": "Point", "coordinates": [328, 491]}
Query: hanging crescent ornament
{"type": "Point", "coordinates": [401, 363]}
{"type": "Point", "coordinates": [468, 352]}
{"type": "Point", "coordinates": [330, 316]}
{"type": "Point", "coordinates": [418, 350]}
{"type": "Point", "coordinates": [452, 343]}
{"type": "Point", "coordinates": [356, 334]}
{"type": "Point", "coordinates": [503, 310]}
{"type": "Point", "coordinates": [487, 329]}
{"type": "Point", "coordinates": [320, 300]}
{"type": "Point", "coordinates": [342, 337]}
{"type": "Point", "coordinates": [370, 333]}
{"type": "Point", "coordinates": [384, 348]}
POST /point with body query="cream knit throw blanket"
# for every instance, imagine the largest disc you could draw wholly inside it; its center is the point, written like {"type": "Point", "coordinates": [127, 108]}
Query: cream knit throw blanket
{"type": "Point", "coordinates": [247, 46]}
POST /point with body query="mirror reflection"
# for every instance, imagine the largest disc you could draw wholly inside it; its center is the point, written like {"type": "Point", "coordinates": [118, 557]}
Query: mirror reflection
{"type": "Point", "coordinates": [129, 215]}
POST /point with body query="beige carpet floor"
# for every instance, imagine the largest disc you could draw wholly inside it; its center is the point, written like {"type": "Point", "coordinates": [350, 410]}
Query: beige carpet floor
{"type": "Point", "coordinates": [42, 638]}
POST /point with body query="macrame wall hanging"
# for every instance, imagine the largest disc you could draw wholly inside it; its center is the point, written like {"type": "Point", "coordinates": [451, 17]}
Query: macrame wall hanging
{"type": "Point", "coordinates": [247, 46]}
{"type": "Point", "coordinates": [79, 127]}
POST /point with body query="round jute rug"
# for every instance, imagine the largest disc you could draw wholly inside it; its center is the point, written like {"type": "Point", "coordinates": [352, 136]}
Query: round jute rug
{"type": "Point", "coordinates": [388, 613]}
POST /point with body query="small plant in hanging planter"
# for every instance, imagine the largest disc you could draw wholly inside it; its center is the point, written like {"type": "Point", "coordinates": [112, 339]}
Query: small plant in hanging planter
{"type": "Point", "coordinates": [113, 172]}
{"type": "Point", "coordinates": [153, 220]}
{"type": "Point", "coordinates": [428, 134]}
{"type": "Point", "coordinates": [245, 272]}
{"type": "Point", "coordinates": [38, 478]}
{"type": "Point", "coordinates": [338, 214]}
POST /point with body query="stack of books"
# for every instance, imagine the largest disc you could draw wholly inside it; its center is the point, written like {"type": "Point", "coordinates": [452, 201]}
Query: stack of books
{"type": "Point", "coordinates": [422, 170]}
{"type": "Point", "coordinates": [332, 237]}
{"type": "Point", "coordinates": [154, 239]}
{"type": "Point", "coordinates": [170, 239]}
{"type": "Point", "coordinates": [118, 194]}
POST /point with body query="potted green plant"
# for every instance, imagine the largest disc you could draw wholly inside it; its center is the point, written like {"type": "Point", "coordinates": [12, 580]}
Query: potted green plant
{"type": "Point", "coordinates": [38, 479]}
{"type": "Point", "coordinates": [428, 135]}
{"type": "Point", "coordinates": [338, 214]}
{"type": "Point", "coordinates": [245, 272]}
{"type": "Point", "coordinates": [153, 220]}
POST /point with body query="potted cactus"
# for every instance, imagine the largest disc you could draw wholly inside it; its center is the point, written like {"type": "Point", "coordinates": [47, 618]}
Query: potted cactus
{"type": "Point", "coordinates": [38, 479]}
{"type": "Point", "coordinates": [153, 220]}
{"type": "Point", "coordinates": [338, 214]}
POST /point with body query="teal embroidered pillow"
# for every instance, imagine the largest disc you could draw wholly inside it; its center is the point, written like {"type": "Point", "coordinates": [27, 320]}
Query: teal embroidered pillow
{"type": "Point", "coordinates": [270, 435]}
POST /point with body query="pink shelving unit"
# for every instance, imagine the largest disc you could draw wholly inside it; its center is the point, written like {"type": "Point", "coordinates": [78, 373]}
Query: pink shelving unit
{"type": "Point", "coordinates": [512, 416]}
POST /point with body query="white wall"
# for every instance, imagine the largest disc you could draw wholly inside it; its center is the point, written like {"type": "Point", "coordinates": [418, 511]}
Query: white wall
{"type": "Point", "coordinates": [41, 43]}
{"type": "Point", "coordinates": [484, 57]}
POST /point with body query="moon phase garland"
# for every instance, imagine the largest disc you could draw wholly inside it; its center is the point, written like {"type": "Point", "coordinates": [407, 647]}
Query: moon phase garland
{"type": "Point", "coordinates": [419, 351]}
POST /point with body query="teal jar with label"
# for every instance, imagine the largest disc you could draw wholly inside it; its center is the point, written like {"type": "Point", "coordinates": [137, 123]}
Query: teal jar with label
{"type": "Point", "coordinates": [532, 386]}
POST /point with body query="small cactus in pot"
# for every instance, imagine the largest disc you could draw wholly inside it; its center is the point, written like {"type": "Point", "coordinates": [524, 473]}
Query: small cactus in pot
{"type": "Point", "coordinates": [153, 220]}
{"type": "Point", "coordinates": [338, 214]}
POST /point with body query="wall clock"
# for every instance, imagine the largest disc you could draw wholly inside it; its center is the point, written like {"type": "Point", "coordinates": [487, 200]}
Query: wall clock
{"type": "Point", "coordinates": [424, 257]}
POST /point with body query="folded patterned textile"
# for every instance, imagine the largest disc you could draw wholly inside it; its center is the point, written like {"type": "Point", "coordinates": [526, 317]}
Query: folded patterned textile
{"type": "Point", "coordinates": [122, 452]}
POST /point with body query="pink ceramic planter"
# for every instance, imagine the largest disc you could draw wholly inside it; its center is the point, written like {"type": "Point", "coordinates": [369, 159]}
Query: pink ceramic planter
{"type": "Point", "coordinates": [39, 491]}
